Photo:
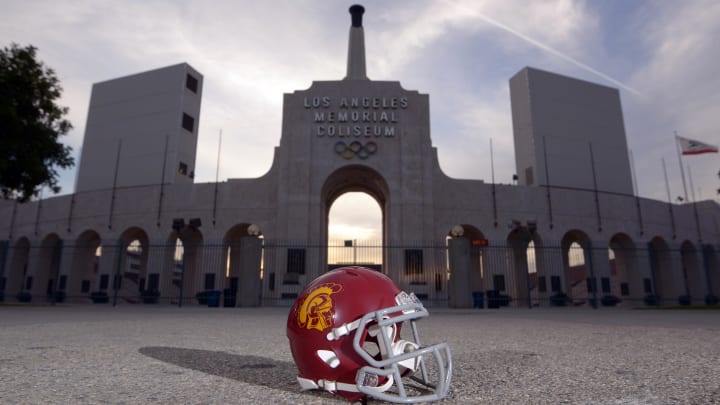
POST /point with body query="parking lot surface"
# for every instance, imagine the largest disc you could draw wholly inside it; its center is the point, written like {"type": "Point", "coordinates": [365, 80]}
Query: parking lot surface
{"type": "Point", "coordinates": [132, 354]}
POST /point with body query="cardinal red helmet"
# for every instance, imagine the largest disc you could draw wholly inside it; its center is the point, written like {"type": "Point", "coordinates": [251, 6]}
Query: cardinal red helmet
{"type": "Point", "coordinates": [345, 332]}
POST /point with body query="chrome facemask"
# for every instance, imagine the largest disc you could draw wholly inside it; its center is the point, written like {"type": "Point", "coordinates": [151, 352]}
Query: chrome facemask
{"type": "Point", "coordinates": [412, 372]}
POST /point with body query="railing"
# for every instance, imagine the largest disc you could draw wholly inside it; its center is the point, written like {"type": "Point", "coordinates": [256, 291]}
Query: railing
{"type": "Point", "coordinates": [264, 272]}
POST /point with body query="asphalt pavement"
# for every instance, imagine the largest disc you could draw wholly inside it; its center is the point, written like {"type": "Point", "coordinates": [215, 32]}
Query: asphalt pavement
{"type": "Point", "coordinates": [140, 354]}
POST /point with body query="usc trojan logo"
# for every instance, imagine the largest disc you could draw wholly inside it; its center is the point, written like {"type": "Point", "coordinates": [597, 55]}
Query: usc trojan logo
{"type": "Point", "coordinates": [316, 310]}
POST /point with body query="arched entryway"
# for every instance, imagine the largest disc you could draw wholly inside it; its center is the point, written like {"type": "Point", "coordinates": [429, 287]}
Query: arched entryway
{"type": "Point", "coordinates": [525, 276]}
{"type": "Point", "coordinates": [134, 278]}
{"type": "Point", "coordinates": [355, 179]}
{"type": "Point", "coordinates": [182, 274]}
{"type": "Point", "coordinates": [580, 280]}
{"type": "Point", "coordinates": [82, 277]}
{"type": "Point", "coordinates": [661, 265]}
{"type": "Point", "coordinates": [626, 281]}
{"type": "Point", "coordinates": [355, 231]}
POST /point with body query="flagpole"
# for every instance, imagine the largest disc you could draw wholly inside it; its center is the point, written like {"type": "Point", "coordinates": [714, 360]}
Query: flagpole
{"type": "Point", "coordinates": [637, 194]}
{"type": "Point", "coordinates": [547, 184]}
{"type": "Point", "coordinates": [682, 172]}
{"type": "Point", "coordinates": [162, 180]}
{"type": "Point", "coordinates": [114, 186]}
{"type": "Point", "coordinates": [595, 188]}
{"type": "Point", "coordinates": [217, 177]}
{"type": "Point", "coordinates": [667, 188]}
{"type": "Point", "coordinates": [492, 173]}
{"type": "Point", "coordinates": [695, 211]}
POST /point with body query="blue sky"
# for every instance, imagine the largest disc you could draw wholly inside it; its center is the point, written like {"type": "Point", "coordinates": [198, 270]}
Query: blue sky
{"type": "Point", "coordinates": [661, 54]}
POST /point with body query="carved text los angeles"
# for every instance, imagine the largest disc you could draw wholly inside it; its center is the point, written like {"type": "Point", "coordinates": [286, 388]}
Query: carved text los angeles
{"type": "Point", "coordinates": [347, 121]}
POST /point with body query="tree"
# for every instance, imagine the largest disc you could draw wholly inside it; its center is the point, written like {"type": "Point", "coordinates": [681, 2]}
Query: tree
{"type": "Point", "coordinates": [30, 125]}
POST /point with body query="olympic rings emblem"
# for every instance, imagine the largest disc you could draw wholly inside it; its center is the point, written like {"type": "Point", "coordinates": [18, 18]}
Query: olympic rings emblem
{"type": "Point", "coordinates": [355, 149]}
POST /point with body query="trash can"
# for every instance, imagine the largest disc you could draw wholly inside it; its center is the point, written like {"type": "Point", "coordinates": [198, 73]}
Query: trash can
{"type": "Point", "coordinates": [478, 299]}
{"type": "Point", "coordinates": [229, 297]}
{"type": "Point", "coordinates": [493, 299]}
{"type": "Point", "coordinates": [213, 298]}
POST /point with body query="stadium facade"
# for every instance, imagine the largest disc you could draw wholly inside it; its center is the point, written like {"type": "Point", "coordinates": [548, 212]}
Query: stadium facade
{"type": "Point", "coordinates": [260, 240]}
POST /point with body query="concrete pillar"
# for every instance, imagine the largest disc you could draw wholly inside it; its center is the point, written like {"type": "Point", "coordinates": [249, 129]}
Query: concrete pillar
{"type": "Point", "coordinates": [676, 285]}
{"type": "Point", "coordinates": [692, 263]}
{"type": "Point", "coordinates": [641, 274]}
{"type": "Point", "coordinates": [459, 286]}
{"type": "Point", "coordinates": [598, 263]}
{"type": "Point", "coordinates": [72, 284]}
{"type": "Point", "coordinates": [249, 285]}
{"type": "Point", "coordinates": [107, 266]}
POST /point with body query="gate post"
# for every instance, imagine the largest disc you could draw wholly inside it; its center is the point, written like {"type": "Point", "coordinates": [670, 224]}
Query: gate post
{"type": "Point", "coordinates": [652, 256]}
{"type": "Point", "coordinates": [706, 253]}
{"type": "Point", "coordinates": [116, 282]}
{"type": "Point", "coordinates": [56, 283]}
{"type": "Point", "coordinates": [250, 289]}
{"type": "Point", "coordinates": [4, 248]}
{"type": "Point", "coordinates": [459, 261]}
{"type": "Point", "coordinates": [593, 283]}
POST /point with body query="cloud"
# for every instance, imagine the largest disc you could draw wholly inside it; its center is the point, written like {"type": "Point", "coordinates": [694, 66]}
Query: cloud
{"type": "Point", "coordinates": [680, 75]}
{"type": "Point", "coordinates": [355, 216]}
{"type": "Point", "coordinates": [462, 53]}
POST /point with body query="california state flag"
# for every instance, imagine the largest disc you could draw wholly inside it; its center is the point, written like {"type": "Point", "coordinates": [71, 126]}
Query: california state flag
{"type": "Point", "coordinates": [691, 147]}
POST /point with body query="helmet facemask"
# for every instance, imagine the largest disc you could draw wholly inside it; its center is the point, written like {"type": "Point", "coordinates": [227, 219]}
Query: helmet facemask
{"type": "Point", "coordinates": [399, 368]}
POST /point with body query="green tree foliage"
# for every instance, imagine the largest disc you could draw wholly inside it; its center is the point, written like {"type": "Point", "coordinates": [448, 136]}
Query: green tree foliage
{"type": "Point", "coordinates": [30, 125]}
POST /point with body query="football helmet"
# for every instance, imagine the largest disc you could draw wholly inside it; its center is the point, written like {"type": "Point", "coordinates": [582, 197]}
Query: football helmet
{"type": "Point", "coordinates": [352, 332]}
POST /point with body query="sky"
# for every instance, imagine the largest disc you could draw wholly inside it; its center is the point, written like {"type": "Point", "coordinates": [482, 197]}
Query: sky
{"type": "Point", "coordinates": [662, 55]}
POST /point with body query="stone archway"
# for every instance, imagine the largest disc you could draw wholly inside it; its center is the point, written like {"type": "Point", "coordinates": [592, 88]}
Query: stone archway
{"type": "Point", "coordinates": [581, 286]}
{"type": "Point", "coordinates": [84, 269]}
{"type": "Point", "coordinates": [525, 276]}
{"type": "Point", "coordinates": [183, 265]}
{"type": "Point", "coordinates": [662, 272]}
{"type": "Point", "coordinates": [355, 178]}
{"type": "Point", "coordinates": [133, 264]}
{"type": "Point", "coordinates": [626, 280]}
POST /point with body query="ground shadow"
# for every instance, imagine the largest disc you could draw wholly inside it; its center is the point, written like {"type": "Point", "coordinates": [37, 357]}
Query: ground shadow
{"type": "Point", "coordinates": [256, 370]}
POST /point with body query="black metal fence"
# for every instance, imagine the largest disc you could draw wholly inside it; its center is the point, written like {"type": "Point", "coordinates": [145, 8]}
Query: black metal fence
{"type": "Point", "coordinates": [263, 272]}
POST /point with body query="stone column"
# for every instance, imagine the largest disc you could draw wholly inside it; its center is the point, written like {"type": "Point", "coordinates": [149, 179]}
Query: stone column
{"type": "Point", "coordinates": [460, 283]}
{"type": "Point", "coordinates": [249, 285]}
